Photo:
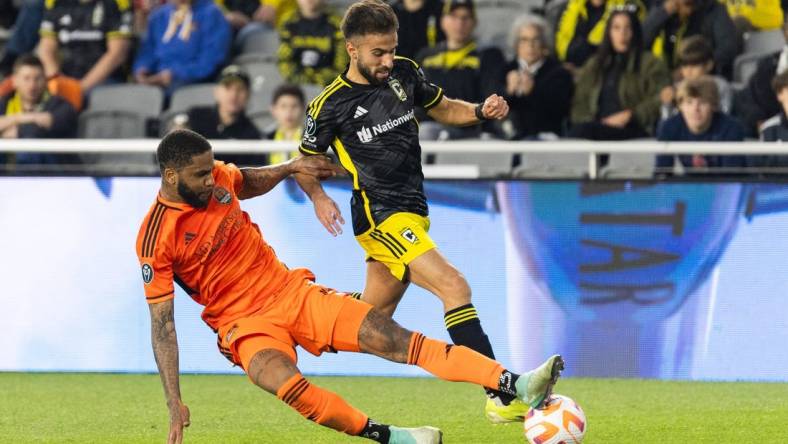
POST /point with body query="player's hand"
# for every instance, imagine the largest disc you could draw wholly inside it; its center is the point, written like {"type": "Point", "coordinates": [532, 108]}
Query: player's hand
{"type": "Point", "coordinates": [495, 107]}
{"type": "Point", "coordinates": [179, 418]}
{"type": "Point", "coordinates": [319, 166]}
{"type": "Point", "coordinates": [328, 214]}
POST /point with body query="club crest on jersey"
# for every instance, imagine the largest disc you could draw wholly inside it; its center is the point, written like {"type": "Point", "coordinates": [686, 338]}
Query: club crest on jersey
{"type": "Point", "coordinates": [222, 195]}
{"type": "Point", "coordinates": [409, 236]}
{"type": "Point", "coordinates": [398, 90]}
{"type": "Point", "coordinates": [147, 273]}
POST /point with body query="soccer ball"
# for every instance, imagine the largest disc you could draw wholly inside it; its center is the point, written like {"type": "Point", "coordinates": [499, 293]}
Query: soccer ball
{"type": "Point", "coordinates": [561, 421]}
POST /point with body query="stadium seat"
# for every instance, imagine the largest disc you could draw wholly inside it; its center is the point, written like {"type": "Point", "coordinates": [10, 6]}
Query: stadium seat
{"type": "Point", "coordinates": [189, 96]}
{"type": "Point", "coordinates": [763, 42]}
{"type": "Point", "coordinates": [111, 124]}
{"type": "Point", "coordinates": [552, 166]}
{"type": "Point", "coordinates": [265, 44]}
{"type": "Point", "coordinates": [263, 120]}
{"type": "Point", "coordinates": [745, 66]}
{"type": "Point", "coordinates": [495, 18]}
{"type": "Point", "coordinates": [144, 100]}
{"type": "Point", "coordinates": [264, 75]}
{"type": "Point", "coordinates": [629, 166]}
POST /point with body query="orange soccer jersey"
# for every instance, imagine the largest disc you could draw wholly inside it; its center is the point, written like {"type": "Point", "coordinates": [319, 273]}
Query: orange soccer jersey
{"type": "Point", "coordinates": [216, 254]}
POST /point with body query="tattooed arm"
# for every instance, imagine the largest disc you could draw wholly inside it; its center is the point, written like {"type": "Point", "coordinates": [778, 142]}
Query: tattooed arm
{"type": "Point", "coordinates": [261, 180]}
{"type": "Point", "coordinates": [165, 350]}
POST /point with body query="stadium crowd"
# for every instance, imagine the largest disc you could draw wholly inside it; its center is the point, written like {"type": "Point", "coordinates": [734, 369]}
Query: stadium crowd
{"type": "Point", "coordinates": [670, 70]}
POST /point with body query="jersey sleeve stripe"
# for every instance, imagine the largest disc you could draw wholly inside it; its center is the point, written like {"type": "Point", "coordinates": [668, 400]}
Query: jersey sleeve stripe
{"type": "Point", "coordinates": [435, 100]}
{"type": "Point", "coordinates": [153, 231]}
{"type": "Point", "coordinates": [151, 223]}
{"type": "Point", "coordinates": [320, 96]}
{"type": "Point", "coordinates": [319, 105]}
{"type": "Point", "coordinates": [162, 298]}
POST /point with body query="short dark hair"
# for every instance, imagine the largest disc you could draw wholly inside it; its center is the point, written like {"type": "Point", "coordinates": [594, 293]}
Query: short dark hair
{"type": "Point", "coordinates": [780, 82]}
{"type": "Point", "coordinates": [28, 60]}
{"type": "Point", "coordinates": [695, 50]}
{"type": "Point", "coordinates": [369, 17]}
{"type": "Point", "coordinates": [178, 147]}
{"type": "Point", "coordinates": [703, 88]}
{"type": "Point", "coordinates": [288, 89]}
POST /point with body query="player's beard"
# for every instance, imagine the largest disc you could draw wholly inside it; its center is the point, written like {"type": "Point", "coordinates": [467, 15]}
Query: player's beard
{"type": "Point", "coordinates": [191, 198]}
{"type": "Point", "coordinates": [368, 74]}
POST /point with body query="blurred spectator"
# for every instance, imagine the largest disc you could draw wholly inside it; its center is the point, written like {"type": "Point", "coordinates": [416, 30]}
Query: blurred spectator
{"type": "Point", "coordinates": [776, 128]}
{"type": "Point", "coordinates": [86, 40]}
{"type": "Point", "coordinates": [274, 12]}
{"type": "Point", "coordinates": [753, 15]}
{"type": "Point", "coordinates": [23, 32]}
{"type": "Point", "coordinates": [186, 42]}
{"type": "Point", "coordinates": [8, 13]}
{"type": "Point", "coordinates": [696, 59]}
{"type": "Point", "coordinates": [700, 120]}
{"type": "Point", "coordinates": [31, 112]}
{"type": "Point", "coordinates": [288, 107]}
{"type": "Point", "coordinates": [227, 119]}
{"type": "Point", "coordinates": [312, 48]}
{"type": "Point", "coordinates": [463, 71]}
{"type": "Point", "coordinates": [249, 17]}
{"type": "Point", "coordinates": [538, 89]}
{"type": "Point", "coordinates": [675, 20]}
{"type": "Point", "coordinates": [756, 102]}
{"type": "Point", "coordinates": [581, 28]}
{"type": "Point", "coordinates": [617, 90]}
{"type": "Point", "coordinates": [142, 9]}
{"type": "Point", "coordinates": [418, 25]}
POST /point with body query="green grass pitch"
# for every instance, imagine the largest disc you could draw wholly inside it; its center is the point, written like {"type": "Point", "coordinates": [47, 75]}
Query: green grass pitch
{"type": "Point", "coordinates": [112, 408]}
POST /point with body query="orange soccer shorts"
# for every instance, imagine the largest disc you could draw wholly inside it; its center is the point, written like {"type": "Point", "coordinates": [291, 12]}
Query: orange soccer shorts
{"type": "Point", "coordinates": [317, 318]}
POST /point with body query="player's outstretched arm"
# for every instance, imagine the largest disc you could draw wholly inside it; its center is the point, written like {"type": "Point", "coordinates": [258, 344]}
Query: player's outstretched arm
{"type": "Point", "coordinates": [460, 113]}
{"type": "Point", "coordinates": [258, 181]}
{"type": "Point", "coordinates": [165, 350]}
{"type": "Point", "coordinates": [326, 209]}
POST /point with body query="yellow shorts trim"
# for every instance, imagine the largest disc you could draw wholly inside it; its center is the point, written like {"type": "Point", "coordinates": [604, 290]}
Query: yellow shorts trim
{"type": "Point", "coordinates": [397, 241]}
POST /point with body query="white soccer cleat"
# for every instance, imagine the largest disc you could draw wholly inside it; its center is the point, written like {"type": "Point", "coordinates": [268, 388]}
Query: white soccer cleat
{"type": "Point", "coordinates": [418, 435]}
{"type": "Point", "coordinates": [536, 386]}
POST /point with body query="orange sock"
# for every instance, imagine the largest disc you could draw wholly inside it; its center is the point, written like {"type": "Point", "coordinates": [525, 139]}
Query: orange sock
{"type": "Point", "coordinates": [453, 362]}
{"type": "Point", "coordinates": [321, 406]}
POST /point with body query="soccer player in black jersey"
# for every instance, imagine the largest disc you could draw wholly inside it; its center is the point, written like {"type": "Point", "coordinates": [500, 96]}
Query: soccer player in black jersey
{"type": "Point", "coordinates": [367, 115]}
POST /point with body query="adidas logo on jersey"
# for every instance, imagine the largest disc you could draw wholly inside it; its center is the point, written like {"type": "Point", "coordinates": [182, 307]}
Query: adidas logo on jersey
{"type": "Point", "coordinates": [359, 112]}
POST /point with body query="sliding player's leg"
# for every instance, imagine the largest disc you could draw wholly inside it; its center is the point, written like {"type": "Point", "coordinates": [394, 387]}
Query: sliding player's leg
{"type": "Point", "coordinates": [271, 366]}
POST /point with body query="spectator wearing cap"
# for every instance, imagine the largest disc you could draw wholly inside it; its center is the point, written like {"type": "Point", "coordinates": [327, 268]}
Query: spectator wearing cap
{"type": "Point", "coordinates": [86, 40]}
{"type": "Point", "coordinates": [674, 20]}
{"type": "Point", "coordinates": [30, 112]}
{"type": "Point", "coordinates": [538, 89]}
{"type": "Point", "coordinates": [581, 28]}
{"type": "Point", "coordinates": [418, 25]}
{"type": "Point", "coordinates": [288, 106]}
{"type": "Point", "coordinates": [461, 68]}
{"type": "Point", "coordinates": [699, 120]}
{"type": "Point", "coordinates": [696, 59]}
{"type": "Point", "coordinates": [227, 119]}
{"type": "Point", "coordinates": [312, 48]}
{"type": "Point", "coordinates": [617, 90]}
{"type": "Point", "coordinates": [186, 42]}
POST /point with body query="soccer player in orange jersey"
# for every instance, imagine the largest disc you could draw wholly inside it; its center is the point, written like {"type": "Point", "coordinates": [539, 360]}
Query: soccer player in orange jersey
{"type": "Point", "coordinates": [197, 235]}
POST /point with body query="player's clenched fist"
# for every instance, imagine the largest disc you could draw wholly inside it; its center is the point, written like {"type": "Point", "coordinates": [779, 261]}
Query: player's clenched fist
{"type": "Point", "coordinates": [495, 107]}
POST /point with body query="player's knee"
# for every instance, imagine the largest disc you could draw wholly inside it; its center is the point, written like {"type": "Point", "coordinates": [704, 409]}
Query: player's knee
{"type": "Point", "coordinates": [454, 290]}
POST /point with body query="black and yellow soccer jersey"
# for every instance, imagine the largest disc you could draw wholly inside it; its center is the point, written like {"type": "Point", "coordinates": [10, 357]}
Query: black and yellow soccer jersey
{"type": "Point", "coordinates": [373, 130]}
